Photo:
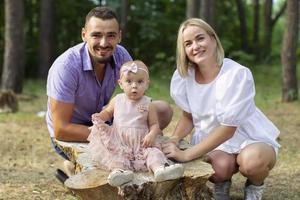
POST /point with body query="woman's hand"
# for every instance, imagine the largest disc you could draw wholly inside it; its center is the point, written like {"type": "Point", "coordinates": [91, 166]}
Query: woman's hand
{"type": "Point", "coordinates": [174, 139]}
{"type": "Point", "coordinates": [172, 151]}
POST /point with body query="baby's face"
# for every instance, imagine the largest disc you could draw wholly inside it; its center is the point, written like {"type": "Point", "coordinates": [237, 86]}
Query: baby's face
{"type": "Point", "coordinates": [134, 85]}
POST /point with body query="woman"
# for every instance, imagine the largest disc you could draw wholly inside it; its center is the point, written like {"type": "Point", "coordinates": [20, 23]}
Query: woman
{"type": "Point", "coordinates": [216, 96]}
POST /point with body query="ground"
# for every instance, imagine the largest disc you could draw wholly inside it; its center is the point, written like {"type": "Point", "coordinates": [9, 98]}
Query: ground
{"type": "Point", "coordinates": [28, 162]}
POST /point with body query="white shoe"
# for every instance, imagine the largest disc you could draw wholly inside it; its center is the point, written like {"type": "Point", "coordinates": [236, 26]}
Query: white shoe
{"type": "Point", "coordinates": [119, 177]}
{"type": "Point", "coordinates": [253, 192]}
{"type": "Point", "coordinates": [168, 172]}
{"type": "Point", "coordinates": [222, 190]}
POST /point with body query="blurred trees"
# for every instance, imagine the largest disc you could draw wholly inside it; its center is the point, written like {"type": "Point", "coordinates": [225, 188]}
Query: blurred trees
{"type": "Point", "coordinates": [13, 67]}
{"type": "Point", "coordinates": [288, 55]}
{"type": "Point", "coordinates": [149, 27]}
{"type": "Point", "coordinates": [46, 38]}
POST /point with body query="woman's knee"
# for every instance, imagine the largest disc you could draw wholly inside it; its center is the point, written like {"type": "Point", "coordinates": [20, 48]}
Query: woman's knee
{"type": "Point", "coordinates": [256, 160]}
{"type": "Point", "coordinates": [224, 166]}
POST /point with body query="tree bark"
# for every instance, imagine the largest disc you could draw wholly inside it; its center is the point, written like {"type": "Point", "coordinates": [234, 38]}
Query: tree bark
{"type": "Point", "coordinates": [124, 14]}
{"type": "Point", "coordinates": [192, 8]}
{"type": "Point", "coordinates": [288, 54]}
{"type": "Point", "coordinates": [255, 38]}
{"type": "Point", "coordinates": [243, 25]}
{"type": "Point", "coordinates": [90, 182]}
{"type": "Point", "coordinates": [13, 67]}
{"type": "Point", "coordinates": [208, 11]}
{"type": "Point", "coordinates": [46, 39]}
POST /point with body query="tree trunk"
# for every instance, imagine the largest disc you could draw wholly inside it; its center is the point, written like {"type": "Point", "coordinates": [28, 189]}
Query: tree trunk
{"type": "Point", "coordinates": [208, 12]}
{"type": "Point", "coordinates": [243, 25]}
{"type": "Point", "coordinates": [90, 182]}
{"type": "Point", "coordinates": [255, 38]}
{"type": "Point", "coordinates": [124, 14]}
{"type": "Point", "coordinates": [288, 54]}
{"type": "Point", "coordinates": [192, 8]}
{"type": "Point", "coordinates": [268, 27]}
{"type": "Point", "coordinates": [13, 67]}
{"type": "Point", "coordinates": [46, 37]}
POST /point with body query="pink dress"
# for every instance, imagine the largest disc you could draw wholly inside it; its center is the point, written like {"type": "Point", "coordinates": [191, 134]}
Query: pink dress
{"type": "Point", "coordinates": [120, 145]}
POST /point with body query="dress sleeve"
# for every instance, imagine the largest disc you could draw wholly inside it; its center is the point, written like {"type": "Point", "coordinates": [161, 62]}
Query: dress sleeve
{"type": "Point", "coordinates": [235, 93]}
{"type": "Point", "coordinates": [178, 92]}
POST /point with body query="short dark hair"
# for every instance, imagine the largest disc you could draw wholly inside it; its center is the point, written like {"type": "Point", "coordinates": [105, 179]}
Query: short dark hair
{"type": "Point", "coordinates": [101, 12]}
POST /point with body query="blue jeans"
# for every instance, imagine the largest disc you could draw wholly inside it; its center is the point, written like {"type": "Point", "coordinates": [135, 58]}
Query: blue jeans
{"type": "Point", "coordinates": [58, 150]}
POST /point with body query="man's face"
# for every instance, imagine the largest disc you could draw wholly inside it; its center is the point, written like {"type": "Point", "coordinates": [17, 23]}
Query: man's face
{"type": "Point", "coordinates": [102, 37]}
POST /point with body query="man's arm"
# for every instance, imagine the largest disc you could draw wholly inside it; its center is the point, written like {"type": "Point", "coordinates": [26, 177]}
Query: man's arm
{"type": "Point", "coordinates": [64, 130]}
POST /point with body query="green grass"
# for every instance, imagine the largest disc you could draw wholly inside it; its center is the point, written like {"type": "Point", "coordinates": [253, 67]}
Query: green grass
{"type": "Point", "coordinates": [28, 161]}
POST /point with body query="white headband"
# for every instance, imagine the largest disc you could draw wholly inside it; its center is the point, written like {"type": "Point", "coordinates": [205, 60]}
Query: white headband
{"type": "Point", "coordinates": [132, 68]}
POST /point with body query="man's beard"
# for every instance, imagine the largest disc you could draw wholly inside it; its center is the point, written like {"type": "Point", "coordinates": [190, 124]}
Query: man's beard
{"type": "Point", "coordinates": [102, 60]}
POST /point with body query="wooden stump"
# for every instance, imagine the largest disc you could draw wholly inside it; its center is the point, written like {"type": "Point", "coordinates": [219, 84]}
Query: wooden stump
{"type": "Point", "coordinates": [8, 102]}
{"type": "Point", "coordinates": [90, 182]}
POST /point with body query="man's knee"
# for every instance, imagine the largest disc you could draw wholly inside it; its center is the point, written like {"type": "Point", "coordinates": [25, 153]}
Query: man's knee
{"type": "Point", "coordinates": [164, 113]}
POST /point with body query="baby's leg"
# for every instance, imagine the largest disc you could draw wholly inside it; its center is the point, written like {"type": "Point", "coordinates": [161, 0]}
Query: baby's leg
{"type": "Point", "coordinates": [156, 159]}
{"type": "Point", "coordinates": [161, 167]}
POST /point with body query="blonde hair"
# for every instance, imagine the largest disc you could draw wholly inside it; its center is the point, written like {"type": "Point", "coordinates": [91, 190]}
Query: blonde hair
{"type": "Point", "coordinates": [181, 58]}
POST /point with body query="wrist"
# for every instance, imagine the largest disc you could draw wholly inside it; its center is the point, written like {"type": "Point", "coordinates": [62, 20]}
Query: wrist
{"type": "Point", "coordinates": [175, 139]}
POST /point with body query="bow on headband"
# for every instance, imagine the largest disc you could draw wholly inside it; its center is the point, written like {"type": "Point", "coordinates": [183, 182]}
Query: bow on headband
{"type": "Point", "coordinates": [132, 68]}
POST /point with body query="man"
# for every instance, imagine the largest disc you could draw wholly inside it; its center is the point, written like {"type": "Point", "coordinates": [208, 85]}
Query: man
{"type": "Point", "coordinates": [82, 80]}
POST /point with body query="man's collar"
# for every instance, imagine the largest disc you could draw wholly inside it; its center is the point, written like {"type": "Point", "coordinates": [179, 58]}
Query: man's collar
{"type": "Point", "coordinates": [87, 62]}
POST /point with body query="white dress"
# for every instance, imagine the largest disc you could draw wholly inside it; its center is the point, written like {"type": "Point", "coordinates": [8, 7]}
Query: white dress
{"type": "Point", "coordinates": [229, 101]}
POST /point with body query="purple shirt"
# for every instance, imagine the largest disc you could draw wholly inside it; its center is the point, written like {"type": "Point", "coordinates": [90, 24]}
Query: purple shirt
{"type": "Point", "coordinates": [71, 79]}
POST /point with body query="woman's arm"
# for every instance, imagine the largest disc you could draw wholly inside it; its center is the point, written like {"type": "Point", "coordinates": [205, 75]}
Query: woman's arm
{"type": "Point", "coordinates": [183, 128]}
{"type": "Point", "coordinates": [218, 136]}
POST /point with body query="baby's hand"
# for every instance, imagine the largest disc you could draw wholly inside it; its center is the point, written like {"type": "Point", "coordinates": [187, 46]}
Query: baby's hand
{"type": "Point", "coordinates": [149, 140]}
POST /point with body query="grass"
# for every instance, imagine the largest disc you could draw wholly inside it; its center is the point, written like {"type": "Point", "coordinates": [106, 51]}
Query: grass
{"type": "Point", "coordinates": [28, 161]}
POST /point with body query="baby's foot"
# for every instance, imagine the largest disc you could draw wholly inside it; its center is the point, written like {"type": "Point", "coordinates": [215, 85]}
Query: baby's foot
{"type": "Point", "coordinates": [168, 172]}
{"type": "Point", "coordinates": [119, 177]}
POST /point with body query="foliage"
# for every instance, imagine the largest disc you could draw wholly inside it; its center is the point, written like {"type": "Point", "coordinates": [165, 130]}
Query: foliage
{"type": "Point", "coordinates": [151, 30]}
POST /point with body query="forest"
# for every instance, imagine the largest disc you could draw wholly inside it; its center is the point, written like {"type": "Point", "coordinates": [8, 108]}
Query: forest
{"type": "Point", "coordinates": [33, 33]}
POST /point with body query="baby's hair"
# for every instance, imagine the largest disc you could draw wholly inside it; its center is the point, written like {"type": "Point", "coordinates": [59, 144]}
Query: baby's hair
{"type": "Point", "coordinates": [131, 66]}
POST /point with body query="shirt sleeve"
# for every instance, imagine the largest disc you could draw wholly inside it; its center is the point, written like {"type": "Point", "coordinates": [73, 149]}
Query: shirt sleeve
{"type": "Point", "coordinates": [178, 92]}
{"type": "Point", "coordinates": [62, 82]}
{"type": "Point", "coordinates": [235, 93]}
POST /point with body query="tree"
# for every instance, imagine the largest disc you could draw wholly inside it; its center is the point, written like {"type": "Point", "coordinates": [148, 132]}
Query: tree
{"type": "Point", "coordinates": [192, 8]}
{"type": "Point", "coordinates": [255, 35]}
{"type": "Point", "coordinates": [124, 15]}
{"type": "Point", "coordinates": [288, 54]}
{"type": "Point", "coordinates": [269, 24]}
{"type": "Point", "coordinates": [208, 11]}
{"type": "Point", "coordinates": [243, 24]}
{"type": "Point", "coordinates": [13, 67]}
{"type": "Point", "coordinates": [46, 40]}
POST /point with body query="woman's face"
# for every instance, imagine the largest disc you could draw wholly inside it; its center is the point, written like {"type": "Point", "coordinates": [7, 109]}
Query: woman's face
{"type": "Point", "coordinates": [199, 46]}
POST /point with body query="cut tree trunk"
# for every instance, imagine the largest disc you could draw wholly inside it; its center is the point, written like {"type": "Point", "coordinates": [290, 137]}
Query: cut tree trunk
{"type": "Point", "coordinates": [90, 182]}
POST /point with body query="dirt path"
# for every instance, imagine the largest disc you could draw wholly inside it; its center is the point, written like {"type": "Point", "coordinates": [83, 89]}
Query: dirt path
{"type": "Point", "coordinates": [28, 161]}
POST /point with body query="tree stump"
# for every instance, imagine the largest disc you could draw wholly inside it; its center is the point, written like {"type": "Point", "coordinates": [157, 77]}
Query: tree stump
{"type": "Point", "coordinates": [90, 182]}
{"type": "Point", "coordinates": [8, 101]}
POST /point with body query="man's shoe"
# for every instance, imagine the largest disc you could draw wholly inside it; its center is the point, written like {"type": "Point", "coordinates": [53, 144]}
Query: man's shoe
{"type": "Point", "coordinates": [61, 176]}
